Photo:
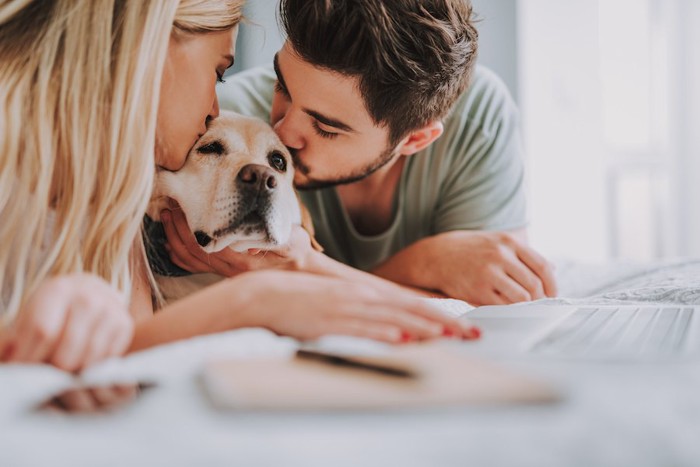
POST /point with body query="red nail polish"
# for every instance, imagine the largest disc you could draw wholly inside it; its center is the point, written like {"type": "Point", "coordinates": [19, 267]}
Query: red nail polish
{"type": "Point", "coordinates": [447, 332]}
{"type": "Point", "coordinates": [475, 333]}
{"type": "Point", "coordinates": [406, 337]}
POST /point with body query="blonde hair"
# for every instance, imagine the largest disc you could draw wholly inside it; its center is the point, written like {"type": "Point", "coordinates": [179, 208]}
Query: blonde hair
{"type": "Point", "coordinates": [79, 91]}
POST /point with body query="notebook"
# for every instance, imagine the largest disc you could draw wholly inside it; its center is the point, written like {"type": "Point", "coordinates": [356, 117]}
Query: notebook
{"type": "Point", "coordinates": [328, 376]}
{"type": "Point", "coordinates": [626, 332]}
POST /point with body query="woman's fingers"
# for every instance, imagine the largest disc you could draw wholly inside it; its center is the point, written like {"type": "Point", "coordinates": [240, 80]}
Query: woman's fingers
{"type": "Point", "coordinates": [183, 248]}
{"type": "Point", "coordinates": [410, 323]}
{"type": "Point", "coordinates": [69, 353]}
{"type": "Point", "coordinates": [93, 399]}
{"type": "Point", "coordinates": [5, 344]}
{"type": "Point", "coordinates": [185, 252]}
{"type": "Point", "coordinates": [185, 260]}
{"type": "Point", "coordinates": [98, 347]}
{"type": "Point", "coordinates": [40, 323]}
{"type": "Point", "coordinates": [122, 335]}
{"type": "Point", "coordinates": [367, 329]}
{"type": "Point", "coordinates": [36, 344]}
{"type": "Point", "coordinates": [36, 333]}
{"type": "Point", "coordinates": [388, 295]}
{"type": "Point", "coordinates": [76, 400]}
{"type": "Point", "coordinates": [453, 327]}
{"type": "Point", "coordinates": [111, 396]}
{"type": "Point", "coordinates": [418, 325]}
{"type": "Point", "coordinates": [416, 318]}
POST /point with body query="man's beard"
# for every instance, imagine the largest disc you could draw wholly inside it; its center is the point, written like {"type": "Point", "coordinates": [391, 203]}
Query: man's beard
{"type": "Point", "coordinates": [313, 184]}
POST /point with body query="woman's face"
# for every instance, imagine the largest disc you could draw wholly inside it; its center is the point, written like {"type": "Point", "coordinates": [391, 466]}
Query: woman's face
{"type": "Point", "coordinates": [188, 92]}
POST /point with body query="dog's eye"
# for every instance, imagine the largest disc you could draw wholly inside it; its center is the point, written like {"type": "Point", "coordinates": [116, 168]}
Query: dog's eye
{"type": "Point", "coordinates": [212, 148]}
{"type": "Point", "coordinates": [277, 161]}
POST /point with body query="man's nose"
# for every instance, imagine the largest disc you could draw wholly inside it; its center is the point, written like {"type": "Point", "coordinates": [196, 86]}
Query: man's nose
{"type": "Point", "coordinates": [289, 132]}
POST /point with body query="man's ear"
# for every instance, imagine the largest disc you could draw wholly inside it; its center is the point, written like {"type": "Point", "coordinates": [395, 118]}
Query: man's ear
{"type": "Point", "coordinates": [421, 138]}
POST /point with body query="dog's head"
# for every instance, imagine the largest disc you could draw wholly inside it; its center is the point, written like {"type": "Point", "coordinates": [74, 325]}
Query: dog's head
{"type": "Point", "coordinates": [236, 188]}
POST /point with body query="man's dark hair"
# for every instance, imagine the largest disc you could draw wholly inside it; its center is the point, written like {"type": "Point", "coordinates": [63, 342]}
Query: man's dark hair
{"type": "Point", "coordinates": [413, 57]}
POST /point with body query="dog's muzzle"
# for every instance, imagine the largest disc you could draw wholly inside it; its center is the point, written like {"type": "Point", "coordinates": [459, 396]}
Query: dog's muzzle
{"type": "Point", "coordinates": [256, 184]}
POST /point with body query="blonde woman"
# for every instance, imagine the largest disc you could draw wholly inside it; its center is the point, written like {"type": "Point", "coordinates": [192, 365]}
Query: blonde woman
{"type": "Point", "coordinates": [88, 89]}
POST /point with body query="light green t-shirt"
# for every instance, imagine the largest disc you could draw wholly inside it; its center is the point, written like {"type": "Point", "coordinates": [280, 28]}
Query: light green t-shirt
{"type": "Point", "coordinates": [471, 178]}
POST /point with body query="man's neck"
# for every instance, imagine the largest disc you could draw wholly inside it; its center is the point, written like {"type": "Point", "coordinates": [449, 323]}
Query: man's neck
{"type": "Point", "coordinates": [368, 202]}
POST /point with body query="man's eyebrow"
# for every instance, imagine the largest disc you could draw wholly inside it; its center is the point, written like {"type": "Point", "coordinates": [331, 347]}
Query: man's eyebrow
{"type": "Point", "coordinates": [329, 121]}
{"type": "Point", "coordinates": [280, 78]}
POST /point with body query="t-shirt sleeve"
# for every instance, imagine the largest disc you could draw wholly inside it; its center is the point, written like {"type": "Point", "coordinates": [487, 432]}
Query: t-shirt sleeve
{"type": "Point", "coordinates": [482, 165]}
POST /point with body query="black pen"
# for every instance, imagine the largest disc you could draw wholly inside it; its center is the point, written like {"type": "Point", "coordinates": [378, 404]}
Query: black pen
{"type": "Point", "coordinates": [371, 363]}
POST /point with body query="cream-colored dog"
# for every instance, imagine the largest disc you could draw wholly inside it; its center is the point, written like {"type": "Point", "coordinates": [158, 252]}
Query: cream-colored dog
{"type": "Point", "coordinates": [236, 190]}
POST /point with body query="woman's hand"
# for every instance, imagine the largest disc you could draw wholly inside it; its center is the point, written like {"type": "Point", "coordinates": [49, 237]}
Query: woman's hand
{"type": "Point", "coordinates": [71, 322]}
{"type": "Point", "coordinates": [186, 253]}
{"type": "Point", "coordinates": [308, 306]}
{"type": "Point", "coordinates": [94, 399]}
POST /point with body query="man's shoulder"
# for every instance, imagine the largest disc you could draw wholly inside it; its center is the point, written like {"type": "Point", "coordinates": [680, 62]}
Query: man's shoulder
{"type": "Point", "coordinates": [249, 92]}
{"type": "Point", "coordinates": [472, 128]}
{"type": "Point", "coordinates": [486, 102]}
{"type": "Point", "coordinates": [486, 81]}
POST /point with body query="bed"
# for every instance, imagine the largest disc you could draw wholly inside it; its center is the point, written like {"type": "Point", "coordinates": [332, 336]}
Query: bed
{"type": "Point", "coordinates": [611, 415]}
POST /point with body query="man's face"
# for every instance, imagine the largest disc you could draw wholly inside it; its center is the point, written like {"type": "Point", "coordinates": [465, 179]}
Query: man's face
{"type": "Point", "coordinates": [320, 115]}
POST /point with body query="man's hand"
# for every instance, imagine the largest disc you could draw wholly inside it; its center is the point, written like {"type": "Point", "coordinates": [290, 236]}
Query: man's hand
{"type": "Point", "coordinates": [186, 253]}
{"type": "Point", "coordinates": [482, 268]}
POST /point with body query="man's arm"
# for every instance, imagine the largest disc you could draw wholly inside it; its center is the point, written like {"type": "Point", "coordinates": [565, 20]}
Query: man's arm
{"type": "Point", "coordinates": [475, 186]}
{"type": "Point", "coordinates": [478, 267]}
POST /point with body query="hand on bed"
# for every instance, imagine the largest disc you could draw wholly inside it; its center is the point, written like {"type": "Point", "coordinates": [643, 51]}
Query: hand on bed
{"type": "Point", "coordinates": [71, 322]}
{"type": "Point", "coordinates": [186, 253]}
{"type": "Point", "coordinates": [487, 268]}
{"type": "Point", "coordinates": [307, 306]}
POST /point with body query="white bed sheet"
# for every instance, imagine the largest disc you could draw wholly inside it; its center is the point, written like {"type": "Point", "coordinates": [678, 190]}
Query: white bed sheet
{"type": "Point", "coordinates": [642, 414]}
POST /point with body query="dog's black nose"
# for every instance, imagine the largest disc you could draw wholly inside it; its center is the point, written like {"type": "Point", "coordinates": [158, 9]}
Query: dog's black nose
{"type": "Point", "coordinates": [255, 175]}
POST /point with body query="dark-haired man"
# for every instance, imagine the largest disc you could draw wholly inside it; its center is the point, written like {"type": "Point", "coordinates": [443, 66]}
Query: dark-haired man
{"type": "Point", "coordinates": [407, 154]}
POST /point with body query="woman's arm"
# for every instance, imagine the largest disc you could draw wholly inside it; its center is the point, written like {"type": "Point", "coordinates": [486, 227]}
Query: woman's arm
{"type": "Point", "coordinates": [217, 308]}
{"type": "Point", "coordinates": [303, 306]}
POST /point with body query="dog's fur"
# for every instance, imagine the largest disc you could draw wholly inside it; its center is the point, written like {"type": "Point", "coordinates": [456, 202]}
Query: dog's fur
{"type": "Point", "coordinates": [236, 190]}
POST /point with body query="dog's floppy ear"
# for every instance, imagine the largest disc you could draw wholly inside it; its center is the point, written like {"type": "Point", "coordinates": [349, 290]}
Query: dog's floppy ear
{"type": "Point", "coordinates": [308, 224]}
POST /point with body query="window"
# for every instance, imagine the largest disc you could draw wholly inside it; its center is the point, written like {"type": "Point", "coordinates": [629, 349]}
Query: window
{"type": "Point", "coordinates": [599, 84]}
